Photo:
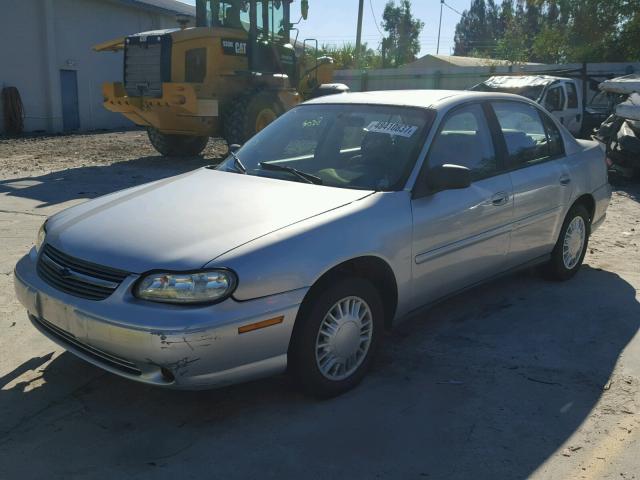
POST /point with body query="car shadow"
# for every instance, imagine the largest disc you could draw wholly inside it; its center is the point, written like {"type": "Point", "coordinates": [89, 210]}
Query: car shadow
{"type": "Point", "coordinates": [629, 187]}
{"type": "Point", "coordinates": [95, 180]}
{"type": "Point", "coordinates": [488, 384]}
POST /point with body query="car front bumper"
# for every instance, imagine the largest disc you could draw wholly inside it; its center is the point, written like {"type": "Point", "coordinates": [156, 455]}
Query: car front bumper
{"type": "Point", "coordinates": [160, 344]}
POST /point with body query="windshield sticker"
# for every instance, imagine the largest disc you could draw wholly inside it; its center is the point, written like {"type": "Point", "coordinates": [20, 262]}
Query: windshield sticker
{"type": "Point", "coordinates": [392, 128]}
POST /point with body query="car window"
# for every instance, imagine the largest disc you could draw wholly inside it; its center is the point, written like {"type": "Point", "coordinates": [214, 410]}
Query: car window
{"type": "Point", "coordinates": [555, 141]}
{"type": "Point", "coordinates": [600, 99]}
{"type": "Point", "coordinates": [572, 96]}
{"type": "Point", "coordinates": [523, 131]}
{"type": "Point", "coordinates": [343, 145]}
{"type": "Point", "coordinates": [464, 139]}
{"type": "Point", "coordinates": [554, 100]}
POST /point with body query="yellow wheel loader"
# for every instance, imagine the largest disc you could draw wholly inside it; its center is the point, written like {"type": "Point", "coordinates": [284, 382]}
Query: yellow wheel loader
{"type": "Point", "coordinates": [229, 76]}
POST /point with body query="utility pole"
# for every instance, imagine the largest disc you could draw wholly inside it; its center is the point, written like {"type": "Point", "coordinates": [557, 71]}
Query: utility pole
{"type": "Point", "coordinates": [359, 34]}
{"type": "Point", "coordinates": [439, 27]}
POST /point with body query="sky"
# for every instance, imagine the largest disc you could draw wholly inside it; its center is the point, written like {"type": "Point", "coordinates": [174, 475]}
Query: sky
{"type": "Point", "coordinates": [333, 22]}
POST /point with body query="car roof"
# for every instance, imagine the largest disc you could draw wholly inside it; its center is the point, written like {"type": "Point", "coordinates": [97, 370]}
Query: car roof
{"type": "Point", "coordinates": [413, 98]}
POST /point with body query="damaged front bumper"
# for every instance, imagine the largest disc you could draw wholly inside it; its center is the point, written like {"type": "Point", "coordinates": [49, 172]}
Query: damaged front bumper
{"type": "Point", "coordinates": [159, 344]}
{"type": "Point", "coordinates": [179, 110]}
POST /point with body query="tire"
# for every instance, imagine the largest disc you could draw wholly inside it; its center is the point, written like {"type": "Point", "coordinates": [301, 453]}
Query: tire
{"type": "Point", "coordinates": [177, 145]}
{"type": "Point", "coordinates": [308, 357]}
{"type": "Point", "coordinates": [248, 114]}
{"type": "Point", "coordinates": [563, 267]}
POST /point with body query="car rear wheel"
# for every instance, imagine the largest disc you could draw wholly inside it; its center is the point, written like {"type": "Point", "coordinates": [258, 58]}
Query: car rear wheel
{"type": "Point", "coordinates": [571, 247]}
{"type": "Point", "coordinates": [337, 332]}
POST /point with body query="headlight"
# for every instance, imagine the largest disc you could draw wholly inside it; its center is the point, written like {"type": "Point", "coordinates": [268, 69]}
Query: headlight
{"type": "Point", "coordinates": [42, 233]}
{"type": "Point", "coordinates": [207, 286]}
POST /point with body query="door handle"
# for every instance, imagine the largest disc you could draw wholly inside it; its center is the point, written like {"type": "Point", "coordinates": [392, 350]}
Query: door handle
{"type": "Point", "coordinates": [500, 198]}
{"type": "Point", "coordinates": [565, 180]}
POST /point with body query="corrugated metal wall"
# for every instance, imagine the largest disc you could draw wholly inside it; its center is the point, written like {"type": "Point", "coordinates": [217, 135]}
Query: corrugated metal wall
{"type": "Point", "coordinates": [461, 78]}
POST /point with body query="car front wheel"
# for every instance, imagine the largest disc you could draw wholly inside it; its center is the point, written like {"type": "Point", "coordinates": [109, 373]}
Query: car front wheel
{"type": "Point", "coordinates": [337, 332]}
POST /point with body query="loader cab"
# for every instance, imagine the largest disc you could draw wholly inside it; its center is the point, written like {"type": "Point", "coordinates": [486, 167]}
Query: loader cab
{"type": "Point", "coordinates": [267, 25]}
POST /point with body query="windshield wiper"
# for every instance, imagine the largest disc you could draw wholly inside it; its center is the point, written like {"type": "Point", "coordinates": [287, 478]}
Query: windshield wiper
{"type": "Point", "coordinates": [307, 177]}
{"type": "Point", "coordinates": [237, 163]}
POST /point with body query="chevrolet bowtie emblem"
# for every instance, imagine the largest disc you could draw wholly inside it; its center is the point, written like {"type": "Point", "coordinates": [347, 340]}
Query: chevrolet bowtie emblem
{"type": "Point", "coordinates": [65, 272]}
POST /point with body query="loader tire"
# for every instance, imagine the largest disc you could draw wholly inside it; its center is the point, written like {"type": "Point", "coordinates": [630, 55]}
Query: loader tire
{"type": "Point", "coordinates": [249, 114]}
{"type": "Point", "coordinates": [177, 145]}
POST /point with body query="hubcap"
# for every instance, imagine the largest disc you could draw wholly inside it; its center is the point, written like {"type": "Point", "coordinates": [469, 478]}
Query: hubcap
{"type": "Point", "coordinates": [344, 338]}
{"type": "Point", "coordinates": [264, 118]}
{"type": "Point", "coordinates": [573, 242]}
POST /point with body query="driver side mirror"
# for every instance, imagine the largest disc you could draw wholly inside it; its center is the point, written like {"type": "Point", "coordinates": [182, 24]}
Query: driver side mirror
{"type": "Point", "coordinates": [448, 177]}
{"type": "Point", "coordinates": [304, 8]}
{"type": "Point", "coordinates": [234, 147]}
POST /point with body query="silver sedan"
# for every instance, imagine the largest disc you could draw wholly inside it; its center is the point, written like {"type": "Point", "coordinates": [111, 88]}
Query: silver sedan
{"type": "Point", "coordinates": [327, 227]}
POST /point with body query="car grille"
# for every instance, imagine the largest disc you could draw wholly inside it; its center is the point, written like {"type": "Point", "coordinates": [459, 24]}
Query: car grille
{"type": "Point", "coordinates": [78, 277]}
{"type": "Point", "coordinates": [147, 63]}
{"type": "Point", "coordinates": [100, 356]}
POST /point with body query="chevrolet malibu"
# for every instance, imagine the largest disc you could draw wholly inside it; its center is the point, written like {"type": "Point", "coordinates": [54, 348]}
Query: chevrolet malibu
{"type": "Point", "coordinates": [327, 227]}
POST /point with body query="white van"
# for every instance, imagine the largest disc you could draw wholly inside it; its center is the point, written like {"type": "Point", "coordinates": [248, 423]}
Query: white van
{"type": "Point", "coordinates": [558, 95]}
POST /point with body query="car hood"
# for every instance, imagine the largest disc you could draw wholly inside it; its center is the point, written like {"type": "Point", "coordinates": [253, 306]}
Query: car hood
{"type": "Point", "coordinates": [186, 221]}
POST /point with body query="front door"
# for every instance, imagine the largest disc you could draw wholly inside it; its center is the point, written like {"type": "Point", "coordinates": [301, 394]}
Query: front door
{"type": "Point", "coordinates": [69, 93]}
{"type": "Point", "coordinates": [461, 237]}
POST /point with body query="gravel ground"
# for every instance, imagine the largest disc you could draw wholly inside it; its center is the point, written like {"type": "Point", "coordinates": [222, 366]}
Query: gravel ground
{"type": "Point", "coordinates": [49, 153]}
{"type": "Point", "coordinates": [518, 378]}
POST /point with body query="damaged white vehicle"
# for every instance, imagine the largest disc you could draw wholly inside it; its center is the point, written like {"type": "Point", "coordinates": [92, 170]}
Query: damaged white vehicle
{"type": "Point", "coordinates": [558, 95]}
{"type": "Point", "coordinates": [330, 225]}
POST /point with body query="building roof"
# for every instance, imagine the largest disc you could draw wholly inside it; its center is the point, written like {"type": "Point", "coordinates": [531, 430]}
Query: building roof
{"type": "Point", "coordinates": [171, 7]}
{"type": "Point", "coordinates": [430, 60]}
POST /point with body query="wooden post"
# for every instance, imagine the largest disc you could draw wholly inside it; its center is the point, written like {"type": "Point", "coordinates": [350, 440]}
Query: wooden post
{"type": "Point", "coordinates": [359, 33]}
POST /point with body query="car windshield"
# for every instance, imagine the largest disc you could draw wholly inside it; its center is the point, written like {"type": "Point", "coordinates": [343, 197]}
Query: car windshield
{"type": "Point", "coordinates": [353, 146]}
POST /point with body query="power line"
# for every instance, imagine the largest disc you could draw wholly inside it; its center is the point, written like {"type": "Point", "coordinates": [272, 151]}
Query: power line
{"type": "Point", "coordinates": [375, 20]}
{"type": "Point", "coordinates": [451, 8]}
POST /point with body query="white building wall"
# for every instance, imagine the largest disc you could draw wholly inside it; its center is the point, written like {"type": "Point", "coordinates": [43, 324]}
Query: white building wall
{"type": "Point", "coordinates": [42, 37]}
{"type": "Point", "coordinates": [22, 58]}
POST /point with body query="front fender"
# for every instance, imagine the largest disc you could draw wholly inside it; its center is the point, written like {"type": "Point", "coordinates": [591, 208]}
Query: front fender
{"type": "Point", "coordinates": [297, 256]}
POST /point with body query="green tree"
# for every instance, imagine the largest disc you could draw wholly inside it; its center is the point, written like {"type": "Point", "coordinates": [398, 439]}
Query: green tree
{"type": "Point", "coordinates": [551, 31]}
{"type": "Point", "coordinates": [629, 37]}
{"type": "Point", "coordinates": [402, 42]}
{"type": "Point", "coordinates": [550, 45]}
{"type": "Point", "coordinates": [344, 56]}
{"type": "Point", "coordinates": [476, 32]}
{"type": "Point", "coordinates": [513, 45]}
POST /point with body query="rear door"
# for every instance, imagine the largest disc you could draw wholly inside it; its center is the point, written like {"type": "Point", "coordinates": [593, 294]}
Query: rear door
{"type": "Point", "coordinates": [461, 236]}
{"type": "Point", "coordinates": [541, 181]}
